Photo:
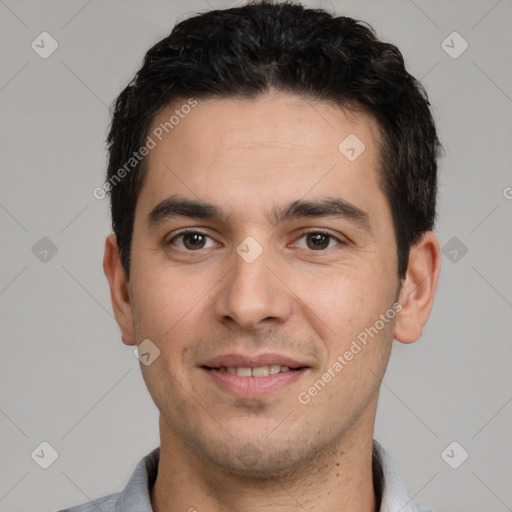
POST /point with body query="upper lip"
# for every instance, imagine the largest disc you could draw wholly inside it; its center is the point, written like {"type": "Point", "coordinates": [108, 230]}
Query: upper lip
{"type": "Point", "coordinates": [252, 361]}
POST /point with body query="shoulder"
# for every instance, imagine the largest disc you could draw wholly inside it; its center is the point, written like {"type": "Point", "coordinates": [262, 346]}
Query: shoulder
{"type": "Point", "coordinates": [105, 504]}
{"type": "Point", "coordinates": [134, 497]}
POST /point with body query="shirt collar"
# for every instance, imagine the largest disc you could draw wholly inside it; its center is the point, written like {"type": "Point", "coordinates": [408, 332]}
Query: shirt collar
{"type": "Point", "coordinates": [394, 497]}
{"type": "Point", "coordinates": [387, 481]}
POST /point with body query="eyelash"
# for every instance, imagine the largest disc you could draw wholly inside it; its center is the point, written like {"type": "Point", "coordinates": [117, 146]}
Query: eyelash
{"type": "Point", "coordinates": [304, 233]}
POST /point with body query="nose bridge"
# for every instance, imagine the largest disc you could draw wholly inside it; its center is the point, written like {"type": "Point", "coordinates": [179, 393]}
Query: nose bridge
{"type": "Point", "coordinates": [251, 293]}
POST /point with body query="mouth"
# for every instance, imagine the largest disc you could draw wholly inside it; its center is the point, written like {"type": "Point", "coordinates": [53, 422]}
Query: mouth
{"type": "Point", "coordinates": [258, 372]}
{"type": "Point", "coordinates": [253, 377]}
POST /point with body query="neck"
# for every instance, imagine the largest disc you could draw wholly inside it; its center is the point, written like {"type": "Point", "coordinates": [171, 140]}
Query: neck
{"type": "Point", "coordinates": [339, 479]}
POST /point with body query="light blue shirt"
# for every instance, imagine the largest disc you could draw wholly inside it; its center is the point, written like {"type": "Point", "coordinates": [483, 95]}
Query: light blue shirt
{"type": "Point", "coordinates": [136, 498]}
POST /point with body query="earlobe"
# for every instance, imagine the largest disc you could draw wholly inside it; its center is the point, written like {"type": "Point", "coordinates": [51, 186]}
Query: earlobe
{"type": "Point", "coordinates": [419, 288]}
{"type": "Point", "coordinates": [119, 289]}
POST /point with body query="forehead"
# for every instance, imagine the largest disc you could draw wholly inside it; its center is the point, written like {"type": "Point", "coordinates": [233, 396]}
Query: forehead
{"type": "Point", "coordinates": [283, 124]}
{"type": "Point", "coordinates": [277, 145]}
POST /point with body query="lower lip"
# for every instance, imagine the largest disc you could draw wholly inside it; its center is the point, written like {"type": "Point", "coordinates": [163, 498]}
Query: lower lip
{"type": "Point", "coordinates": [253, 387]}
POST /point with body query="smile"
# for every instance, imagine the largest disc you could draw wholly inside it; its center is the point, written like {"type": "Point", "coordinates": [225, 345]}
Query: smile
{"type": "Point", "coordinates": [257, 382]}
{"type": "Point", "coordinates": [260, 371]}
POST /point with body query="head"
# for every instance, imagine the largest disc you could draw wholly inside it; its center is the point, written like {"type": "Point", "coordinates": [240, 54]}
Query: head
{"type": "Point", "coordinates": [247, 111]}
{"type": "Point", "coordinates": [246, 51]}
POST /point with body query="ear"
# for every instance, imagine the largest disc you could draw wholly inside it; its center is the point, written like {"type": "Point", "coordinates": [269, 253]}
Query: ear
{"type": "Point", "coordinates": [119, 289]}
{"type": "Point", "coordinates": [419, 288]}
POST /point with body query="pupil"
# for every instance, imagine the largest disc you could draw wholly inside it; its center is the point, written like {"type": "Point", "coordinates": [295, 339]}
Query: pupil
{"type": "Point", "coordinates": [319, 239]}
{"type": "Point", "coordinates": [194, 240]}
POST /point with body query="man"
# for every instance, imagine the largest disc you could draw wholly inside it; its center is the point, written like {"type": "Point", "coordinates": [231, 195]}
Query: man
{"type": "Point", "coordinates": [273, 184]}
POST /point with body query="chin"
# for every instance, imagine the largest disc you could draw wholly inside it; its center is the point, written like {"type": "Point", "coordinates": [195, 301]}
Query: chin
{"type": "Point", "coordinates": [263, 461]}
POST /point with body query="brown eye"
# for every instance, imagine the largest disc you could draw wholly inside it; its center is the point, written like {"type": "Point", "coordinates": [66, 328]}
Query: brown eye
{"type": "Point", "coordinates": [319, 241]}
{"type": "Point", "coordinates": [191, 241]}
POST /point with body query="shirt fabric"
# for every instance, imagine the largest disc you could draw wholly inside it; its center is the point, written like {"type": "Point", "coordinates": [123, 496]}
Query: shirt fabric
{"type": "Point", "coordinates": [135, 497]}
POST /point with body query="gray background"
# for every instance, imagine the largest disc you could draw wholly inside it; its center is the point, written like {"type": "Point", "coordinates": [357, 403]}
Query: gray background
{"type": "Point", "coordinates": [65, 376]}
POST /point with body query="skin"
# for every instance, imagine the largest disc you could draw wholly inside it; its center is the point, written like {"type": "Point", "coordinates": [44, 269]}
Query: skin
{"type": "Point", "coordinates": [220, 452]}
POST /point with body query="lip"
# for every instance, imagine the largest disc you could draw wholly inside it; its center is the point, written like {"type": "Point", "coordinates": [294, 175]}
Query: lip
{"type": "Point", "coordinates": [253, 361]}
{"type": "Point", "coordinates": [253, 387]}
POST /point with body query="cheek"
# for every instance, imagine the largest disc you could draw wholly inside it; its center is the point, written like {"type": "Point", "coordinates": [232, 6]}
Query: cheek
{"type": "Point", "coordinates": [164, 298]}
{"type": "Point", "coordinates": [344, 301]}
{"type": "Point", "coordinates": [170, 308]}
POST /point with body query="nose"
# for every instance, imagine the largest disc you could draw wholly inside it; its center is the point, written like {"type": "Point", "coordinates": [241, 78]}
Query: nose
{"type": "Point", "coordinates": [253, 295]}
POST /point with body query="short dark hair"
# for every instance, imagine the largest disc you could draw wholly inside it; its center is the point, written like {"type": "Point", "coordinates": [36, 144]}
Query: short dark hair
{"type": "Point", "coordinates": [262, 46]}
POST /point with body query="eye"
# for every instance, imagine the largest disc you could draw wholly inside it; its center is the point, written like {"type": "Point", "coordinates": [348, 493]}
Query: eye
{"type": "Point", "coordinates": [192, 240]}
{"type": "Point", "coordinates": [319, 240]}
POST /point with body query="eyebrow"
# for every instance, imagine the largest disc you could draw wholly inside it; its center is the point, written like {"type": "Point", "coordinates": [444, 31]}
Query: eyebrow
{"type": "Point", "coordinates": [175, 206]}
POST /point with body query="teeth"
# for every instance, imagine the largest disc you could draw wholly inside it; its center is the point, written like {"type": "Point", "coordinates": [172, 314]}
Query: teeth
{"type": "Point", "coordinates": [274, 368]}
{"type": "Point", "coordinates": [261, 371]}
{"type": "Point", "coordinates": [243, 372]}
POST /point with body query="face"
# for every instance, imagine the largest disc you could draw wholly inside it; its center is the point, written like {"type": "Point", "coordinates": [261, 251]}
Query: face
{"type": "Point", "coordinates": [287, 258]}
